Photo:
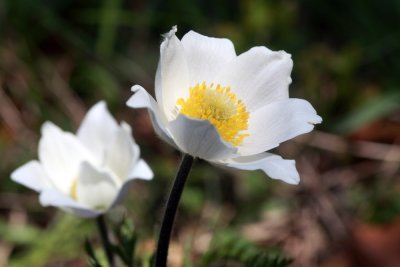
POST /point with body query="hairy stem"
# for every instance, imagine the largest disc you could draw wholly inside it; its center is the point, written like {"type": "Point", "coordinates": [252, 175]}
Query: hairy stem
{"type": "Point", "coordinates": [170, 211]}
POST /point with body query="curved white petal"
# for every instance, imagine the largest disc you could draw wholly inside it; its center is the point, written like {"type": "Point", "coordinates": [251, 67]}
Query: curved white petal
{"type": "Point", "coordinates": [142, 99]}
{"type": "Point", "coordinates": [141, 170]}
{"type": "Point", "coordinates": [276, 123]}
{"type": "Point", "coordinates": [121, 153]}
{"type": "Point", "coordinates": [206, 56]}
{"type": "Point", "coordinates": [199, 138]}
{"type": "Point", "coordinates": [51, 197]}
{"type": "Point", "coordinates": [97, 129]}
{"type": "Point", "coordinates": [122, 192]}
{"type": "Point", "coordinates": [135, 148]}
{"type": "Point", "coordinates": [258, 77]}
{"type": "Point", "coordinates": [31, 175]}
{"type": "Point", "coordinates": [158, 85]}
{"type": "Point", "coordinates": [60, 154]}
{"type": "Point", "coordinates": [273, 165]}
{"type": "Point", "coordinates": [173, 81]}
{"type": "Point", "coordinates": [94, 188]}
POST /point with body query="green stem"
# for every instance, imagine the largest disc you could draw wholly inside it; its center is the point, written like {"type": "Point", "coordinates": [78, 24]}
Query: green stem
{"type": "Point", "coordinates": [102, 227]}
{"type": "Point", "coordinates": [170, 211]}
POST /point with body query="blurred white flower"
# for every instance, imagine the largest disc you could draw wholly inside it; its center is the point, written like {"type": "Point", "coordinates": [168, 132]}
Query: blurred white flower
{"type": "Point", "coordinates": [87, 173]}
{"type": "Point", "coordinates": [225, 108]}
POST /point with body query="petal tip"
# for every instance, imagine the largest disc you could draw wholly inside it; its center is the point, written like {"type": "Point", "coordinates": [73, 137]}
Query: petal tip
{"type": "Point", "coordinates": [17, 177]}
{"type": "Point", "coordinates": [171, 33]}
{"type": "Point", "coordinates": [293, 180]}
{"type": "Point", "coordinates": [98, 109]}
{"type": "Point", "coordinates": [292, 177]}
{"type": "Point", "coordinates": [100, 104]}
{"type": "Point", "coordinates": [48, 126]}
{"type": "Point", "coordinates": [139, 97]}
{"type": "Point", "coordinates": [283, 53]}
{"type": "Point", "coordinates": [317, 120]}
{"type": "Point", "coordinates": [136, 88]}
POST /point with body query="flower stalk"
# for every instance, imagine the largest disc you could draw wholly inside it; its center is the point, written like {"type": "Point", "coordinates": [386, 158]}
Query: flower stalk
{"type": "Point", "coordinates": [101, 226]}
{"type": "Point", "coordinates": [170, 211]}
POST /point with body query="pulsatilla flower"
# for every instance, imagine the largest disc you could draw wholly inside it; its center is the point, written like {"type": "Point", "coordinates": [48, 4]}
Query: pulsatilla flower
{"type": "Point", "coordinates": [87, 173]}
{"type": "Point", "coordinates": [224, 108]}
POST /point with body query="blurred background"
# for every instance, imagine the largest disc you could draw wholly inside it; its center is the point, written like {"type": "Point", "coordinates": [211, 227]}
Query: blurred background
{"type": "Point", "coordinates": [58, 58]}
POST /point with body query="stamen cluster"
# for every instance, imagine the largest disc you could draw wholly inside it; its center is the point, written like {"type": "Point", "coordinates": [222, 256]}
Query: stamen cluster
{"type": "Point", "coordinates": [220, 107]}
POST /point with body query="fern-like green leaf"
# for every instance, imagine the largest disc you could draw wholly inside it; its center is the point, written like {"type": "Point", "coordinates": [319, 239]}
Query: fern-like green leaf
{"type": "Point", "coordinates": [231, 251]}
{"type": "Point", "coordinates": [127, 238]}
{"type": "Point", "coordinates": [92, 258]}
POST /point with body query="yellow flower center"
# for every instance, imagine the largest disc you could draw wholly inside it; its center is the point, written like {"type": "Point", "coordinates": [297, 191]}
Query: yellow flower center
{"type": "Point", "coordinates": [220, 107]}
{"type": "Point", "coordinates": [73, 193]}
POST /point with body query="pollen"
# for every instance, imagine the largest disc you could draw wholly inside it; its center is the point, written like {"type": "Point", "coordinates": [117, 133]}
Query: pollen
{"type": "Point", "coordinates": [220, 106]}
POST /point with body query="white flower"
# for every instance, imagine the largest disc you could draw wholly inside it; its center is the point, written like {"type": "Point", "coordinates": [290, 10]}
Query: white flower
{"type": "Point", "coordinates": [86, 173]}
{"type": "Point", "coordinates": [224, 108]}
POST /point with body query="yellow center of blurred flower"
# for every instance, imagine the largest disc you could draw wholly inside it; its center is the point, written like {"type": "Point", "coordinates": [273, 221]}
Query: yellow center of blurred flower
{"type": "Point", "coordinates": [72, 193]}
{"type": "Point", "coordinates": [220, 107]}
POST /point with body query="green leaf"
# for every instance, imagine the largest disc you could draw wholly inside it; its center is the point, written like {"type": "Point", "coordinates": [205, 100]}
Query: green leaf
{"type": "Point", "coordinates": [18, 234]}
{"type": "Point", "coordinates": [231, 250]}
{"type": "Point", "coordinates": [62, 239]}
{"type": "Point", "coordinates": [127, 238]}
{"type": "Point", "coordinates": [370, 111]}
{"type": "Point", "coordinates": [92, 259]}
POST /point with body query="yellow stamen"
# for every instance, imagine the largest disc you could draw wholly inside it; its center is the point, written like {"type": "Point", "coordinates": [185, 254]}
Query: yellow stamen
{"type": "Point", "coordinates": [220, 107]}
{"type": "Point", "coordinates": [73, 193]}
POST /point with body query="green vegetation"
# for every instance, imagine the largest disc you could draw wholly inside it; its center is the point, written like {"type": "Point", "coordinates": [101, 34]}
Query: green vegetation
{"type": "Point", "coordinates": [57, 58]}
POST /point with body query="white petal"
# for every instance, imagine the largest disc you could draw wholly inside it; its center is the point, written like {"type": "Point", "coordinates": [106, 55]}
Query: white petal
{"type": "Point", "coordinates": [158, 86]}
{"type": "Point", "coordinates": [173, 81]}
{"type": "Point", "coordinates": [95, 189]}
{"type": "Point", "coordinates": [141, 170]}
{"type": "Point", "coordinates": [60, 154]}
{"type": "Point", "coordinates": [49, 197]}
{"type": "Point", "coordinates": [121, 153]}
{"type": "Point", "coordinates": [97, 129]}
{"type": "Point", "coordinates": [135, 148]}
{"type": "Point", "coordinates": [276, 123]}
{"type": "Point", "coordinates": [122, 192]}
{"type": "Point", "coordinates": [141, 99]}
{"type": "Point", "coordinates": [31, 175]}
{"type": "Point", "coordinates": [200, 138]}
{"type": "Point", "coordinates": [273, 165]}
{"type": "Point", "coordinates": [258, 77]}
{"type": "Point", "coordinates": [206, 56]}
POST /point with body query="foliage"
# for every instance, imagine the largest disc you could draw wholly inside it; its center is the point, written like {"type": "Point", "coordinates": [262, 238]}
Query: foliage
{"type": "Point", "coordinates": [59, 57]}
{"type": "Point", "coordinates": [59, 241]}
{"type": "Point", "coordinates": [92, 258]}
{"type": "Point", "coordinates": [231, 250]}
{"type": "Point", "coordinates": [127, 238]}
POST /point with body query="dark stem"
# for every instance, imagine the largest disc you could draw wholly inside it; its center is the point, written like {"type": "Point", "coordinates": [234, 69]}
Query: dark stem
{"type": "Point", "coordinates": [170, 211]}
{"type": "Point", "coordinates": [101, 226]}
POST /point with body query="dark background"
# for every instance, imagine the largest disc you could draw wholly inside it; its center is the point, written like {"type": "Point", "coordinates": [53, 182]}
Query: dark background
{"type": "Point", "coordinates": [58, 58]}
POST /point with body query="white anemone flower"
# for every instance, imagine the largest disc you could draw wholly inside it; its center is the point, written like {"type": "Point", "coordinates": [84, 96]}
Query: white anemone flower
{"type": "Point", "coordinates": [87, 173]}
{"type": "Point", "coordinates": [225, 108]}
